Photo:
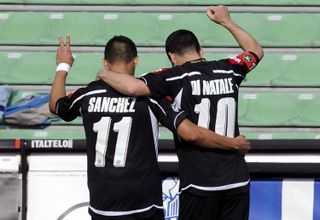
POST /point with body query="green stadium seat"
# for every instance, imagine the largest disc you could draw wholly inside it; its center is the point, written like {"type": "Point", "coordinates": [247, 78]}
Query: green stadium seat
{"type": "Point", "coordinates": [167, 2]}
{"type": "Point", "coordinates": [285, 69]}
{"type": "Point", "coordinates": [39, 67]}
{"type": "Point", "coordinates": [27, 67]}
{"type": "Point", "coordinates": [276, 69]}
{"type": "Point", "coordinates": [255, 109]}
{"type": "Point", "coordinates": [279, 109]}
{"type": "Point", "coordinates": [138, 26]}
{"type": "Point", "coordinates": [22, 27]}
{"type": "Point", "coordinates": [77, 132]}
{"type": "Point", "coordinates": [60, 132]}
{"type": "Point", "coordinates": [46, 133]}
{"type": "Point", "coordinates": [290, 29]}
{"type": "Point", "coordinates": [151, 29]}
{"type": "Point", "coordinates": [278, 134]}
{"type": "Point", "coordinates": [84, 28]}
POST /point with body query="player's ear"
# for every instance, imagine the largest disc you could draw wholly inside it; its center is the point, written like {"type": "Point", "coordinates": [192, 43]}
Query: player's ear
{"type": "Point", "coordinates": [201, 52]}
{"type": "Point", "coordinates": [135, 61]}
{"type": "Point", "coordinates": [173, 58]}
{"type": "Point", "coordinates": [106, 63]}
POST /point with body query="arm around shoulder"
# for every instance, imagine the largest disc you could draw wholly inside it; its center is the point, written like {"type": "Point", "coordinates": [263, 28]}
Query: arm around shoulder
{"type": "Point", "coordinates": [125, 83]}
{"type": "Point", "coordinates": [208, 139]}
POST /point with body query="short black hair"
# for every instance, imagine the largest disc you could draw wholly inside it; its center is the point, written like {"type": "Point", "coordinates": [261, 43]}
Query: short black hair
{"type": "Point", "coordinates": [120, 49]}
{"type": "Point", "coordinates": [182, 41]}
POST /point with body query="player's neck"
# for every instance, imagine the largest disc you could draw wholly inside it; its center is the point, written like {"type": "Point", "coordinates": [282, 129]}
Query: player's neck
{"type": "Point", "coordinates": [187, 58]}
{"type": "Point", "coordinates": [122, 68]}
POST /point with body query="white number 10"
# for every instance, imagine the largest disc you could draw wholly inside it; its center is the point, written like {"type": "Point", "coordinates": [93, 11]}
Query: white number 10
{"type": "Point", "coordinates": [123, 128]}
{"type": "Point", "coordinates": [225, 118]}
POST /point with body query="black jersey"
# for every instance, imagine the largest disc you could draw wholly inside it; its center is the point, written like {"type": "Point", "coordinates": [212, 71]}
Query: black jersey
{"type": "Point", "coordinates": [121, 134]}
{"type": "Point", "coordinates": [208, 92]}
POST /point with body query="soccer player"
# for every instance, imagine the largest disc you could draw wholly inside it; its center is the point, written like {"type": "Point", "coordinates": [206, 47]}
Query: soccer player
{"type": "Point", "coordinates": [214, 184]}
{"type": "Point", "coordinates": [124, 180]}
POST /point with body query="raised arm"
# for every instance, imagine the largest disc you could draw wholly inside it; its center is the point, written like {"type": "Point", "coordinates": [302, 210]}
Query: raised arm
{"type": "Point", "coordinates": [64, 61]}
{"type": "Point", "coordinates": [208, 139]}
{"type": "Point", "coordinates": [220, 15]}
{"type": "Point", "coordinates": [125, 83]}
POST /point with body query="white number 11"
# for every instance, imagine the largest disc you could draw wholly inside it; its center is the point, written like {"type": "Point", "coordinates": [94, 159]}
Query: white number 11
{"type": "Point", "coordinates": [123, 128]}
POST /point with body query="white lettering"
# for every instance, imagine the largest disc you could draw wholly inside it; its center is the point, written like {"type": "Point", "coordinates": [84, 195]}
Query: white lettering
{"type": "Point", "coordinates": [51, 144]}
{"type": "Point", "coordinates": [217, 87]}
{"type": "Point", "coordinates": [195, 87]}
{"type": "Point", "coordinates": [108, 104]}
{"type": "Point", "coordinates": [131, 109]}
{"type": "Point", "coordinates": [105, 104]}
{"type": "Point", "coordinates": [97, 105]}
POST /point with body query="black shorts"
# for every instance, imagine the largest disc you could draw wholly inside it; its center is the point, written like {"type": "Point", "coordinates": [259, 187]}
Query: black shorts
{"type": "Point", "coordinates": [158, 214]}
{"type": "Point", "coordinates": [219, 207]}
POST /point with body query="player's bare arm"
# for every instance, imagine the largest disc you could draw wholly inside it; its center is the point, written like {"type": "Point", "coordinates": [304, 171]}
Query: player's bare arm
{"type": "Point", "coordinates": [124, 83]}
{"type": "Point", "coordinates": [220, 15]}
{"type": "Point", "coordinates": [208, 139]}
{"type": "Point", "coordinates": [63, 56]}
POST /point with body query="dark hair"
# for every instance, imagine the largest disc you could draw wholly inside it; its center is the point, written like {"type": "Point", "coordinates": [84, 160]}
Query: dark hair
{"type": "Point", "coordinates": [182, 41]}
{"type": "Point", "coordinates": [120, 49]}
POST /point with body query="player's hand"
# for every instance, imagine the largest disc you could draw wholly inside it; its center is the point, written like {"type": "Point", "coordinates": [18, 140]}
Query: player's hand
{"type": "Point", "coordinates": [219, 14]}
{"type": "Point", "coordinates": [64, 54]}
{"type": "Point", "coordinates": [243, 145]}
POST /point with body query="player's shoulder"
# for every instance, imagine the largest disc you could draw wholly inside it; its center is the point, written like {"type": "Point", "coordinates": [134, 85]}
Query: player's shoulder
{"type": "Point", "coordinates": [156, 72]}
{"type": "Point", "coordinates": [93, 87]}
{"type": "Point", "coordinates": [246, 58]}
{"type": "Point", "coordinates": [161, 70]}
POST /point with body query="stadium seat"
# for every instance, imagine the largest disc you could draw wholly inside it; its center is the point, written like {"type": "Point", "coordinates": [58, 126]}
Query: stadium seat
{"type": "Point", "coordinates": [85, 28]}
{"type": "Point", "coordinates": [285, 69]}
{"type": "Point", "coordinates": [77, 132]}
{"type": "Point", "coordinates": [22, 27]}
{"type": "Point", "coordinates": [278, 134]}
{"type": "Point", "coordinates": [151, 29]}
{"type": "Point", "coordinates": [166, 2]}
{"type": "Point", "coordinates": [47, 133]}
{"type": "Point", "coordinates": [255, 109]}
{"type": "Point", "coordinates": [276, 69]}
{"type": "Point", "coordinates": [27, 67]}
{"type": "Point", "coordinates": [53, 132]}
{"type": "Point", "coordinates": [279, 109]}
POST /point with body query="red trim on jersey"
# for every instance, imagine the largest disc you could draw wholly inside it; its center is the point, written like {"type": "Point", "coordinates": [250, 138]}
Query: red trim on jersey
{"type": "Point", "coordinates": [160, 70]}
{"type": "Point", "coordinates": [246, 58]}
{"type": "Point", "coordinates": [169, 98]}
{"type": "Point", "coordinates": [71, 94]}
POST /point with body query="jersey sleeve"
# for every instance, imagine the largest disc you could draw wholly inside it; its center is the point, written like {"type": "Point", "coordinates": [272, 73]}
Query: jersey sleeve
{"type": "Point", "coordinates": [239, 65]}
{"type": "Point", "coordinates": [68, 107]}
{"type": "Point", "coordinates": [167, 114]}
{"type": "Point", "coordinates": [156, 82]}
{"type": "Point", "coordinates": [244, 62]}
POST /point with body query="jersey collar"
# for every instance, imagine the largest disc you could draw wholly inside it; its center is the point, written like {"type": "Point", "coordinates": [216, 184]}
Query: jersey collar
{"type": "Point", "coordinates": [197, 60]}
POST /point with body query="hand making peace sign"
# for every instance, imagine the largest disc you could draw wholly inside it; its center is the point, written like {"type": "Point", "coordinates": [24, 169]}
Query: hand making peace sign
{"type": "Point", "coordinates": [64, 53]}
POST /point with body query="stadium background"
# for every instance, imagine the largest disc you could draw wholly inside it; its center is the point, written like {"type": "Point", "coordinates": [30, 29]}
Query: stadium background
{"type": "Point", "coordinates": [278, 106]}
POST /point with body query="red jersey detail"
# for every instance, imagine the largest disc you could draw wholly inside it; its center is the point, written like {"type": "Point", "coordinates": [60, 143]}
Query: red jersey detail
{"type": "Point", "coordinates": [71, 94]}
{"type": "Point", "coordinates": [160, 70]}
{"type": "Point", "coordinates": [246, 58]}
{"type": "Point", "coordinates": [169, 98]}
